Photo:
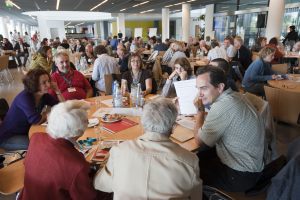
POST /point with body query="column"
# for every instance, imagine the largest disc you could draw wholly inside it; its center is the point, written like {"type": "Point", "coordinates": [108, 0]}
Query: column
{"type": "Point", "coordinates": [209, 21]}
{"type": "Point", "coordinates": [97, 30]}
{"type": "Point", "coordinates": [186, 17]}
{"type": "Point", "coordinates": [165, 24]}
{"type": "Point", "coordinates": [51, 28]}
{"type": "Point", "coordinates": [3, 27]}
{"type": "Point", "coordinates": [275, 17]}
{"type": "Point", "coordinates": [121, 23]}
{"type": "Point", "coordinates": [19, 27]}
{"type": "Point", "coordinates": [102, 32]}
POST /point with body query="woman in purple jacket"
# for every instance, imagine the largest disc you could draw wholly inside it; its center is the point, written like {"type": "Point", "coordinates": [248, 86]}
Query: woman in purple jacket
{"type": "Point", "coordinates": [29, 107]}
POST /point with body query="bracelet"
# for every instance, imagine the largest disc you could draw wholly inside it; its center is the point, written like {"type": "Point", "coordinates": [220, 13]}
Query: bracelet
{"type": "Point", "coordinates": [57, 93]}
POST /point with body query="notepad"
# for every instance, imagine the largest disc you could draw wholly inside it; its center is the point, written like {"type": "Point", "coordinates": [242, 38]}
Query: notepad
{"type": "Point", "coordinates": [119, 126]}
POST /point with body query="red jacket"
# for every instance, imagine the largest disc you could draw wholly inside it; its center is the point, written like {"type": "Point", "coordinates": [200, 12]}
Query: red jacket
{"type": "Point", "coordinates": [54, 169]}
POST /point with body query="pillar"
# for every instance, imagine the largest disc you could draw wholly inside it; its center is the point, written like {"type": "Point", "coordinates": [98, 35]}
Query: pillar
{"type": "Point", "coordinates": [121, 23]}
{"type": "Point", "coordinates": [3, 27]}
{"type": "Point", "coordinates": [209, 21]}
{"type": "Point", "coordinates": [186, 17]}
{"type": "Point", "coordinates": [165, 24]}
{"type": "Point", "coordinates": [275, 17]}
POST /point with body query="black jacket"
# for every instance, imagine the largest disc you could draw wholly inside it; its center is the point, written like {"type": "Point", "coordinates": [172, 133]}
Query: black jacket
{"type": "Point", "coordinates": [25, 47]}
{"type": "Point", "coordinates": [291, 36]}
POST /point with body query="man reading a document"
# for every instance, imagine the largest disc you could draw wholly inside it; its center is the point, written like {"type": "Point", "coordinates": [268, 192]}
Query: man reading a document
{"type": "Point", "coordinates": [231, 137]}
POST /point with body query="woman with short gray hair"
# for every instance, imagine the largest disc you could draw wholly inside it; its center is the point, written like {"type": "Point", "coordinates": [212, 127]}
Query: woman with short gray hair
{"type": "Point", "coordinates": [151, 159]}
{"type": "Point", "coordinates": [53, 167]}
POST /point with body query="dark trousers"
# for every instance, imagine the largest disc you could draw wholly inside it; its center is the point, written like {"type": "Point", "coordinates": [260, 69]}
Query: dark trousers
{"type": "Point", "coordinates": [214, 173]}
{"type": "Point", "coordinates": [257, 89]}
{"type": "Point", "coordinates": [22, 54]}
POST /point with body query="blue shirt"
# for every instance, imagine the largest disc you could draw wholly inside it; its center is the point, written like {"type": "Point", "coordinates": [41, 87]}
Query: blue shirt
{"type": "Point", "coordinates": [114, 44]}
{"type": "Point", "coordinates": [23, 113]}
{"type": "Point", "coordinates": [258, 72]}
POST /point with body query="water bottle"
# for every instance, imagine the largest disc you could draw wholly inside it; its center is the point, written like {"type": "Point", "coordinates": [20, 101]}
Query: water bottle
{"type": "Point", "coordinates": [117, 96]}
{"type": "Point", "coordinates": [133, 92]}
{"type": "Point", "coordinates": [83, 63]}
{"type": "Point", "coordinates": [138, 95]}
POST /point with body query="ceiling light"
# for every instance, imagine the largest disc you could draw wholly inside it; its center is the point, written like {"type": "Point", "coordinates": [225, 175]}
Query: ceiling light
{"type": "Point", "coordinates": [169, 6]}
{"type": "Point", "coordinates": [139, 4]}
{"type": "Point", "coordinates": [190, 1]}
{"type": "Point", "coordinates": [175, 11]}
{"type": "Point", "coordinates": [123, 9]}
{"type": "Point", "coordinates": [68, 24]}
{"type": "Point", "coordinates": [179, 3]}
{"type": "Point", "coordinates": [98, 5]}
{"type": "Point", "coordinates": [147, 11]}
{"type": "Point", "coordinates": [79, 24]}
{"type": "Point", "coordinates": [57, 4]}
{"type": "Point", "coordinates": [9, 3]}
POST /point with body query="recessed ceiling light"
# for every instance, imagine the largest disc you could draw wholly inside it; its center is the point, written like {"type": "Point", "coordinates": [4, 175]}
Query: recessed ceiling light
{"type": "Point", "coordinates": [98, 5]}
{"type": "Point", "coordinates": [147, 11]}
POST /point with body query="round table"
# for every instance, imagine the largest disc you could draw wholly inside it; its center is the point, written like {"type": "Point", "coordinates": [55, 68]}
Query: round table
{"type": "Point", "coordinates": [292, 84]}
{"type": "Point", "coordinates": [127, 134]}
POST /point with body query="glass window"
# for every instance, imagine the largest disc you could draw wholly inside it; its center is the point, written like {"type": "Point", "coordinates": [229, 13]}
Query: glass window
{"type": "Point", "coordinates": [250, 4]}
{"type": "Point", "coordinates": [291, 17]}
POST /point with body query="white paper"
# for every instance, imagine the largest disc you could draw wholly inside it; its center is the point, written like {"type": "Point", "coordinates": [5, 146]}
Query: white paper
{"type": "Point", "coordinates": [122, 111]}
{"type": "Point", "coordinates": [186, 92]}
{"type": "Point", "coordinates": [186, 122]}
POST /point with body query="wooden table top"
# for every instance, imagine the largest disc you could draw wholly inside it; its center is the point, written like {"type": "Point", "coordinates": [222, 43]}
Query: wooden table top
{"type": "Point", "coordinates": [128, 134]}
{"type": "Point", "coordinates": [292, 84]}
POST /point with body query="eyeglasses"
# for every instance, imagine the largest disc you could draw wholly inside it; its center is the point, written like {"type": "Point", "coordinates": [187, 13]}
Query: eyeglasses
{"type": "Point", "coordinates": [135, 61]}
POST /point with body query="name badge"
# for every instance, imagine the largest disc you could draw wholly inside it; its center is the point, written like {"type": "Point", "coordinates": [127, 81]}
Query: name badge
{"type": "Point", "coordinates": [71, 89]}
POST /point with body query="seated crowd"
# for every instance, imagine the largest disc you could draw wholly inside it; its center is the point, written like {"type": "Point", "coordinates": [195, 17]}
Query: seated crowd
{"type": "Point", "coordinates": [230, 135]}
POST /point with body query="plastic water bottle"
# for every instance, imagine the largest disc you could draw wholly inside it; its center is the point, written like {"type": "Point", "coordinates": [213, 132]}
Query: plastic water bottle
{"type": "Point", "coordinates": [83, 63]}
{"type": "Point", "coordinates": [117, 98]}
{"type": "Point", "coordinates": [133, 91]}
{"type": "Point", "coordinates": [138, 95]}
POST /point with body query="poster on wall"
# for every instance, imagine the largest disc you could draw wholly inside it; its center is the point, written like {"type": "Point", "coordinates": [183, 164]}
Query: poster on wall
{"type": "Point", "coordinates": [138, 32]}
{"type": "Point", "coordinates": [152, 32]}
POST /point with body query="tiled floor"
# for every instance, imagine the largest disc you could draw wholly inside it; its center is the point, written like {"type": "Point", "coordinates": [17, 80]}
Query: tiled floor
{"type": "Point", "coordinates": [285, 132]}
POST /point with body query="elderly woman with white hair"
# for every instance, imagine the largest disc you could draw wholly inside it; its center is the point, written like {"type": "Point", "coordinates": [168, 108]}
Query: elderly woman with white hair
{"type": "Point", "coordinates": [161, 168]}
{"type": "Point", "coordinates": [54, 169]}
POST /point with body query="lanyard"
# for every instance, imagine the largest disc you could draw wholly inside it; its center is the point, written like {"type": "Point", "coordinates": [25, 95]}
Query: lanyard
{"type": "Point", "coordinates": [68, 81]}
{"type": "Point", "coordinates": [136, 81]}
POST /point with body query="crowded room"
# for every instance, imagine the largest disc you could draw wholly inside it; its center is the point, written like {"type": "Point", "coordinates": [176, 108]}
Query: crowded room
{"type": "Point", "coordinates": [149, 100]}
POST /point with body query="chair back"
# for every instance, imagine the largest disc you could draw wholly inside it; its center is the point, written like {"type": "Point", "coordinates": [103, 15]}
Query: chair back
{"type": "Point", "coordinates": [284, 105]}
{"type": "Point", "coordinates": [4, 62]}
{"type": "Point", "coordinates": [254, 55]}
{"type": "Point", "coordinates": [280, 68]}
{"type": "Point", "coordinates": [12, 178]}
{"type": "Point", "coordinates": [161, 53]}
{"type": "Point", "coordinates": [108, 80]}
{"type": "Point", "coordinates": [263, 108]}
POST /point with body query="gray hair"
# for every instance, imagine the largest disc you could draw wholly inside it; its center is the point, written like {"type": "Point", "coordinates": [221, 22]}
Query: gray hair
{"type": "Point", "coordinates": [60, 53]}
{"type": "Point", "coordinates": [159, 116]}
{"type": "Point", "coordinates": [68, 119]}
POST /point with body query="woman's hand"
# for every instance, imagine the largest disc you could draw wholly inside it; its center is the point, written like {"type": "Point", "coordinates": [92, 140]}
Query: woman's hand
{"type": "Point", "coordinates": [174, 73]}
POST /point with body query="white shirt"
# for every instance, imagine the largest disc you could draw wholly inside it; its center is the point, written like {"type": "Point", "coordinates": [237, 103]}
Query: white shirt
{"type": "Point", "coordinates": [104, 64]}
{"type": "Point", "coordinates": [230, 51]}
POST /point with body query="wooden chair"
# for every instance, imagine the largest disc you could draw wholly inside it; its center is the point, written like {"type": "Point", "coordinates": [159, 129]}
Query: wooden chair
{"type": "Point", "coordinates": [280, 68]}
{"type": "Point", "coordinates": [254, 55]}
{"type": "Point", "coordinates": [4, 71]}
{"type": "Point", "coordinates": [284, 105]}
{"type": "Point", "coordinates": [12, 178]}
{"type": "Point", "coordinates": [108, 79]}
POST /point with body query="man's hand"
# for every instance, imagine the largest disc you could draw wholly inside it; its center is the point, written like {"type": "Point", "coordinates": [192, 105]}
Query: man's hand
{"type": "Point", "coordinates": [198, 103]}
